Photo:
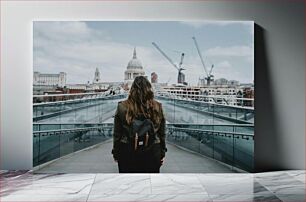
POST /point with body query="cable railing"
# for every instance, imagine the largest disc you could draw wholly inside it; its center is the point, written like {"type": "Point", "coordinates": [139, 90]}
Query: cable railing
{"type": "Point", "coordinates": [232, 148]}
{"type": "Point", "coordinates": [53, 109]}
{"type": "Point", "coordinates": [88, 109]}
{"type": "Point", "coordinates": [52, 141]}
{"type": "Point", "coordinates": [225, 100]}
{"type": "Point", "coordinates": [39, 100]}
{"type": "Point", "coordinates": [234, 114]}
{"type": "Point", "coordinates": [237, 128]}
{"type": "Point", "coordinates": [230, 144]}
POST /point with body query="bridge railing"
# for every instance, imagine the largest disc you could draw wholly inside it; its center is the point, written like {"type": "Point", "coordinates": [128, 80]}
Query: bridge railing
{"type": "Point", "coordinates": [50, 98]}
{"type": "Point", "coordinates": [52, 141]}
{"type": "Point", "coordinates": [235, 128]}
{"type": "Point", "coordinates": [227, 100]}
{"type": "Point", "coordinates": [238, 114]}
{"type": "Point", "coordinates": [225, 143]}
{"type": "Point", "coordinates": [56, 108]}
{"type": "Point", "coordinates": [233, 148]}
{"type": "Point", "coordinates": [46, 110]}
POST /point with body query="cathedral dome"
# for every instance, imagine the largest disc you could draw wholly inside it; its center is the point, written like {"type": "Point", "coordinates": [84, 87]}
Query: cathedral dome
{"type": "Point", "coordinates": [134, 69]}
{"type": "Point", "coordinates": [134, 63]}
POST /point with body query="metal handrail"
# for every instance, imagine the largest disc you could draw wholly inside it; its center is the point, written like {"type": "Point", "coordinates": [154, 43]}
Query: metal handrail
{"type": "Point", "coordinates": [66, 130]}
{"type": "Point", "coordinates": [205, 96]}
{"type": "Point", "coordinates": [66, 94]}
{"type": "Point", "coordinates": [193, 124]}
{"type": "Point", "coordinates": [74, 100]}
{"type": "Point", "coordinates": [230, 106]}
{"type": "Point", "coordinates": [212, 131]}
{"type": "Point", "coordinates": [176, 128]}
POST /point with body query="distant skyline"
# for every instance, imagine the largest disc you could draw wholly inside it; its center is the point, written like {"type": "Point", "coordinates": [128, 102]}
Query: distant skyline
{"type": "Point", "coordinates": [79, 47]}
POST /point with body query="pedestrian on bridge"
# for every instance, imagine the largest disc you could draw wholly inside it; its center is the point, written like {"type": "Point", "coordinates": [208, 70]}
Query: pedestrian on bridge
{"type": "Point", "coordinates": [139, 131]}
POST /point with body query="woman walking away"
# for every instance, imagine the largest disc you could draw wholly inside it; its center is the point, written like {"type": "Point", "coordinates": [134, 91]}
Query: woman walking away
{"type": "Point", "coordinates": [139, 131]}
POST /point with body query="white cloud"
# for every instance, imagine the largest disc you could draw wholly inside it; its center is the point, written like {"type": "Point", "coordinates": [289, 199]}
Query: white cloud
{"type": "Point", "coordinates": [199, 24]}
{"type": "Point", "coordinates": [65, 31]}
{"type": "Point", "coordinates": [234, 51]}
{"type": "Point", "coordinates": [224, 64]}
{"type": "Point", "coordinates": [77, 49]}
{"type": "Point", "coordinates": [69, 46]}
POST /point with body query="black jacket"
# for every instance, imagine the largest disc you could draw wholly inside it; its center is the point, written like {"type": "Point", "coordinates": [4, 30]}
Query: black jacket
{"type": "Point", "coordinates": [122, 128]}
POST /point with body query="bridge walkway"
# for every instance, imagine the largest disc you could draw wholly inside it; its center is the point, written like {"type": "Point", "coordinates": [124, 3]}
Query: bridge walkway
{"type": "Point", "coordinates": [98, 159]}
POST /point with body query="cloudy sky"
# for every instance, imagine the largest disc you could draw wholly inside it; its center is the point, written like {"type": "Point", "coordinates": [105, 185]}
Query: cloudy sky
{"type": "Point", "coordinates": [78, 48]}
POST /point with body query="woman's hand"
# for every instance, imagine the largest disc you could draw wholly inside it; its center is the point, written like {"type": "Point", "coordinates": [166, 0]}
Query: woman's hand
{"type": "Point", "coordinates": [162, 161]}
{"type": "Point", "coordinates": [116, 160]}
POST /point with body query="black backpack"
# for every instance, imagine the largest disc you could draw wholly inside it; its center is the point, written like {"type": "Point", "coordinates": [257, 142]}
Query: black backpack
{"type": "Point", "coordinates": [142, 134]}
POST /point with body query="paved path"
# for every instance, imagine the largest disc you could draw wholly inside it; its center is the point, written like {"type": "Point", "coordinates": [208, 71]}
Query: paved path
{"type": "Point", "coordinates": [99, 160]}
{"type": "Point", "coordinates": [281, 186]}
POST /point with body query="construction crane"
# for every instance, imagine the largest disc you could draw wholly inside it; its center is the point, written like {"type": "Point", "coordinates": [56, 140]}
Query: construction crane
{"type": "Point", "coordinates": [182, 57]}
{"type": "Point", "coordinates": [181, 75]}
{"type": "Point", "coordinates": [209, 77]}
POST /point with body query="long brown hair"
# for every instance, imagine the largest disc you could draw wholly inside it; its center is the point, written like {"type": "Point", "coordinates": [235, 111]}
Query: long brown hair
{"type": "Point", "coordinates": [141, 101]}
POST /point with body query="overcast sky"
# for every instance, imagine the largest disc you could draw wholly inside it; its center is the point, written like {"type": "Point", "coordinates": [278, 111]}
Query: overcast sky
{"type": "Point", "coordinates": [78, 48]}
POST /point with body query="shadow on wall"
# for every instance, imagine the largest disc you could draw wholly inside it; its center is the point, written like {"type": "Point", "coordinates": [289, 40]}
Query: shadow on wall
{"type": "Point", "coordinates": [267, 149]}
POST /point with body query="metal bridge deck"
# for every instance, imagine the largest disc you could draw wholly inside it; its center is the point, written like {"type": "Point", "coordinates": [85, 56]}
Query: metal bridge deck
{"type": "Point", "coordinates": [98, 159]}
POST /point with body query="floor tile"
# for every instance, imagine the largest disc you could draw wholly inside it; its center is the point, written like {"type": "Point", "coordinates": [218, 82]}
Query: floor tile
{"type": "Point", "coordinates": [279, 186]}
{"type": "Point", "coordinates": [176, 184]}
{"type": "Point", "coordinates": [281, 183]}
{"type": "Point", "coordinates": [42, 198]}
{"type": "Point", "coordinates": [227, 183]}
{"type": "Point", "coordinates": [291, 197]}
{"type": "Point", "coordinates": [121, 184]}
{"type": "Point", "coordinates": [150, 198]}
{"type": "Point", "coordinates": [244, 198]}
{"type": "Point", "coordinates": [298, 175]}
{"type": "Point", "coordinates": [47, 184]}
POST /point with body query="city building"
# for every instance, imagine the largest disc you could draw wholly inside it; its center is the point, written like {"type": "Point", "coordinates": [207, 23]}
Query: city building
{"type": "Point", "coordinates": [248, 92]}
{"type": "Point", "coordinates": [201, 82]}
{"type": "Point", "coordinates": [183, 91]}
{"type": "Point", "coordinates": [233, 83]}
{"type": "Point", "coordinates": [220, 94]}
{"type": "Point", "coordinates": [76, 88]}
{"type": "Point", "coordinates": [223, 94]}
{"type": "Point", "coordinates": [43, 79]}
{"type": "Point", "coordinates": [221, 81]}
{"type": "Point", "coordinates": [134, 68]}
{"type": "Point", "coordinates": [97, 78]}
{"type": "Point", "coordinates": [54, 88]}
{"type": "Point", "coordinates": [42, 89]}
{"type": "Point", "coordinates": [154, 77]}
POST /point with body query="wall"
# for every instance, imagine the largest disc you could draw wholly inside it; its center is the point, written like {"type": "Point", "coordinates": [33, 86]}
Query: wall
{"type": "Point", "coordinates": [279, 73]}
